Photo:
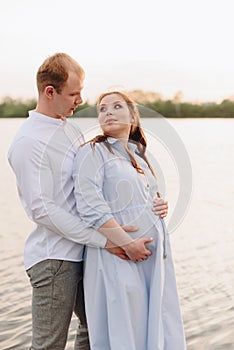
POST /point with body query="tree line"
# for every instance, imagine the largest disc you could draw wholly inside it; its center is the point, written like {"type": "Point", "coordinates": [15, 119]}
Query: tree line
{"type": "Point", "coordinates": [17, 108]}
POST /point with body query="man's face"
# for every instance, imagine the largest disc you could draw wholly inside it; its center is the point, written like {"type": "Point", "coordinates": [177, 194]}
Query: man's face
{"type": "Point", "coordinates": [70, 97]}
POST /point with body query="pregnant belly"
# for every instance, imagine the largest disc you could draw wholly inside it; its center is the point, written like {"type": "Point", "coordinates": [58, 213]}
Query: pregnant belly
{"type": "Point", "coordinates": [149, 225]}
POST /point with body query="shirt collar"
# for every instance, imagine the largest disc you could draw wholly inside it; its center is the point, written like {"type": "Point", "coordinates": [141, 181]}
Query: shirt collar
{"type": "Point", "coordinates": [34, 114]}
{"type": "Point", "coordinates": [112, 140]}
{"type": "Point", "coordinates": [131, 145]}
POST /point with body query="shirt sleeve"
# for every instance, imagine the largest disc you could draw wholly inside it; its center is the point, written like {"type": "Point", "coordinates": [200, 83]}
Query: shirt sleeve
{"type": "Point", "coordinates": [35, 180]}
{"type": "Point", "coordinates": [89, 169]}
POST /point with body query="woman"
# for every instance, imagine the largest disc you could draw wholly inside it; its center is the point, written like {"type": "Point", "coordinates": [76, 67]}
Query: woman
{"type": "Point", "coordinates": [129, 306]}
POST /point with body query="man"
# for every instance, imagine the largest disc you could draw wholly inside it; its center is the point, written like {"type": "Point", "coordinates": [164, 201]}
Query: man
{"type": "Point", "coordinates": [41, 156]}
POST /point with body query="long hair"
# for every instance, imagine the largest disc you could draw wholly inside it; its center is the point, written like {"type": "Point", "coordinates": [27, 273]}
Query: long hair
{"type": "Point", "coordinates": [136, 134]}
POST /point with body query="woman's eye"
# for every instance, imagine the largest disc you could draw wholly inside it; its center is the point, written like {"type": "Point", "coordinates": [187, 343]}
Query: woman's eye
{"type": "Point", "coordinates": [102, 109]}
{"type": "Point", "coordinates": [117, 106]}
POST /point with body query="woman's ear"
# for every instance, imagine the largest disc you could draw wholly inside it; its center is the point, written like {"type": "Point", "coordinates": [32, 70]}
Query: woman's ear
{"type": "Point", "coordinates": [49, 91]}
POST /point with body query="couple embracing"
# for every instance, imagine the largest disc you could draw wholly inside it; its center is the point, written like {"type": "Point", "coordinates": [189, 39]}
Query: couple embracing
{"type": "Point", "coordinates": [100, 247]}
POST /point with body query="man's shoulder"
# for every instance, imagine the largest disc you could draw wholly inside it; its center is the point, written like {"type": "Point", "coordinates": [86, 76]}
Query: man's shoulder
{"type": "Point", "coordinates": [21, 147]}
{"type": "Point", "coordinates": [72, 126]}
{"type": "Point", "coordinates": [26, 135]}
{"type": "Point", "coordinates": [74, 133]}
{"type": "Point", "coordinates": [25, 140]}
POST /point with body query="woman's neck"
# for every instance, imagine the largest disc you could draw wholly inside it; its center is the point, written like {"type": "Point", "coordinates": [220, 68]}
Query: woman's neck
{"type": "Point", "coordinates": [123, 138]}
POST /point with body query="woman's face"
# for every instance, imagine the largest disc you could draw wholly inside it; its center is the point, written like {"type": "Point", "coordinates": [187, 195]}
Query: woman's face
{"type": "Point", "coordinates": [114, 116]}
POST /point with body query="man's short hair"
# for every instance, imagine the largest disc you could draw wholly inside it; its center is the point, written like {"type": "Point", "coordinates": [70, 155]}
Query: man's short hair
{"type": "Point", "coordinates": [55, 70]}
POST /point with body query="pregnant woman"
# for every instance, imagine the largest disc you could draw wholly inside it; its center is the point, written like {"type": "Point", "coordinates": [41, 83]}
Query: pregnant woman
{"type": "Point", "coordinates": [129, 305]}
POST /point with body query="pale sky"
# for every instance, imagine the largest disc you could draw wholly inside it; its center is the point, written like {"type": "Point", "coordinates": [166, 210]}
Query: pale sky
{"type": "Point", "coordinates": [153, 45]}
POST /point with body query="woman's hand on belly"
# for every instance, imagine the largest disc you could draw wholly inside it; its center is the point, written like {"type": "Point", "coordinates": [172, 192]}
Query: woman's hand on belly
{"type": "Point", "coordinates": [160, 207]}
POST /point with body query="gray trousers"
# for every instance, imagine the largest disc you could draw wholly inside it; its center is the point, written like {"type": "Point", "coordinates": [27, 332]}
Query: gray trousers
{"type": "Point", "coordinates": [57, 292]}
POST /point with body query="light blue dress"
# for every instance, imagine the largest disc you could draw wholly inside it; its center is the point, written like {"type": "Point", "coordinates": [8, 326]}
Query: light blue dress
{"type": "Point", "coordinates": [129, 306]}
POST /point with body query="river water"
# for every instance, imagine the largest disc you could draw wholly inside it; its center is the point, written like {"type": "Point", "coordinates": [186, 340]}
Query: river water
{"type": "Point", "coordinates": [202, 243]}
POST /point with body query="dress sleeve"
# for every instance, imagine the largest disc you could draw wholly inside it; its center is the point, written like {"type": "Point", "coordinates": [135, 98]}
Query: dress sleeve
{"type": "Point", "coordinates": [35, 180]}
{"type": "Point", "coordinates": [89, 169]}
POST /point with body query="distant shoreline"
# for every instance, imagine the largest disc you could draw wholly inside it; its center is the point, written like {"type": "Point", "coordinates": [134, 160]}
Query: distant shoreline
{"type": "Point", "coordinates": [10, 108]}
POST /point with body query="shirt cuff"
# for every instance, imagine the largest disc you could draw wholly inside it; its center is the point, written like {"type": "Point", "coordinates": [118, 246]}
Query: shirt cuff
{"type": "Point", "coordinates": [103, 220]}
{"type": "Point", "coordinates": [97, 240]}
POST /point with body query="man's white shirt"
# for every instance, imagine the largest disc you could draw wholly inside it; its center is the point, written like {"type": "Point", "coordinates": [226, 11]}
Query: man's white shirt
{"type": "Point", "coordinates": [41, 156]}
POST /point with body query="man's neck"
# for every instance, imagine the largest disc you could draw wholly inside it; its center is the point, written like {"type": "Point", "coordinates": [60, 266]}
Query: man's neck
{"type": "Point", "coordinates": [46, 111]}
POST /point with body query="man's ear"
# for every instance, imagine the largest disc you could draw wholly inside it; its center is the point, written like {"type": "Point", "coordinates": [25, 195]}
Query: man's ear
{"type": "Point", "coordinates": [49, 91]}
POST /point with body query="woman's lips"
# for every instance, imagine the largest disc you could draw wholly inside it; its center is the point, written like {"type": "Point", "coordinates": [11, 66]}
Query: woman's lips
{"type": "Point", "coordinates": [109, 121]}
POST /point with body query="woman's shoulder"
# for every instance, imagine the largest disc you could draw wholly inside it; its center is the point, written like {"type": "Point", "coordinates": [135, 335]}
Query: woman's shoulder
{"type": "Point", "coordinates": [91, 149]}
